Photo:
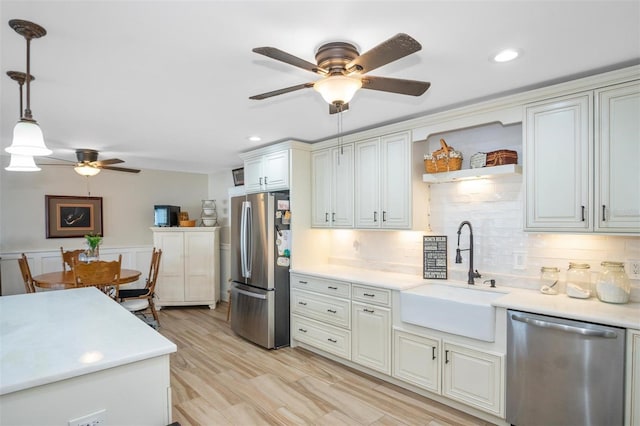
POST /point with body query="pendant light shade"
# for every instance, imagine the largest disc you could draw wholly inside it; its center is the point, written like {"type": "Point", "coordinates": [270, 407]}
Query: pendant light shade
{"type": "Point", "coordinates": [28, 139]}
{"type": "Point", "coordinates": [22, 163]}
{"type": "Point", "coordinates": [86, 170]}
{"type": "Point", "coordinates": [337, 88]}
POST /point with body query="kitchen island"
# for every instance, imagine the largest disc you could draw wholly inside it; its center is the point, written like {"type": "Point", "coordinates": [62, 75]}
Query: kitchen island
{"type": "Point", "coordinates": [66, 355]}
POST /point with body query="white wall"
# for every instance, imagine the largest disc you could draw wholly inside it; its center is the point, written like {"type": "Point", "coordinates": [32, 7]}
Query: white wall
{"type": "Point", "coordinates": [128, 201]}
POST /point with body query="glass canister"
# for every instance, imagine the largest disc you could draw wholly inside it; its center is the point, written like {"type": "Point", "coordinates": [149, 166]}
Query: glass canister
{"type": "Point", "coordinates": [549, 279]}
{"type": "Point", "coordinates": [579, 280]}
{"type": "Point", "coordinates": [612, 285]}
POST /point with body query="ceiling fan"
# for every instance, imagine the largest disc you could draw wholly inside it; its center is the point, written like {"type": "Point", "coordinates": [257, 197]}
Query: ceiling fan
{"type": "Point", "coordinates": [89, 165]}
{"type": "Point", "coordinates": [343, 69]}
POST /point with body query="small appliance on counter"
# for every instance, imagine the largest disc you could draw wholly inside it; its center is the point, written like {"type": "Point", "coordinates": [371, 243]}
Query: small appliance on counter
{"type": "Point", "coordinates": [166, 215]}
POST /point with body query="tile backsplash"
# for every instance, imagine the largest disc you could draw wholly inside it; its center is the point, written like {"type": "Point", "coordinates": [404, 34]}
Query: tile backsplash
{"type": "Point", "coordinates": [502, 250]}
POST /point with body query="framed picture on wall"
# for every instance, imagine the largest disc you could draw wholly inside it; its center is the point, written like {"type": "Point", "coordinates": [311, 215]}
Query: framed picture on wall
{"type": "Point", "coordinates": [238, 176]}
{"type": "Point", "coordinates": [72, 217]}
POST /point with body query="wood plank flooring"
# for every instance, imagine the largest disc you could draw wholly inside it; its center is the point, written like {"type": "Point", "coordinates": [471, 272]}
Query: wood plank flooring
{"type": "Point", "coordinates": [218, 378]}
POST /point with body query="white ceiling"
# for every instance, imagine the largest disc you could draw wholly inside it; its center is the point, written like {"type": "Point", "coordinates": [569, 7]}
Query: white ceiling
{"type": "Point", "coordinates": [166, 84]}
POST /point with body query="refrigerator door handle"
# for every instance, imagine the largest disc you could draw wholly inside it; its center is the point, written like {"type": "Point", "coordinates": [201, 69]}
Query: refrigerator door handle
{"type": "Point", "coordinates": [251, 294]}
{"type": "Point", "coordinates": [245, 239]}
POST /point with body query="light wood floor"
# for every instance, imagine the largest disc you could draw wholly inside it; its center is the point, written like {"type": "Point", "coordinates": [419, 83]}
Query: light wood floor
{"type": "Point", "coordinates": [218, 378]}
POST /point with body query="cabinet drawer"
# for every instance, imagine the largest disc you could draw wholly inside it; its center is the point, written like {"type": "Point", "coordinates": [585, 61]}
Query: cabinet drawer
{"type": "Point", "coordinates": [321, 285]}
{"type": "Point", "coordinates": [330, 339]}
{"type": "Point", "coordinates": [322, 308]}
{"type": "Point", "coordinates": [378, 296]}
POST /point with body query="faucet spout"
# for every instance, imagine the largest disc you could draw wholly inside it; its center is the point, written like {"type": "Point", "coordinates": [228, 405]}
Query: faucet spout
{"type": "Point", "coordinates": [471, 274]}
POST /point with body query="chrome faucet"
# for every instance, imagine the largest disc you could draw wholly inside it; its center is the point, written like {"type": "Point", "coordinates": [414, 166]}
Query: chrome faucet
{"type": "Point", "coordinates": [472, 274]}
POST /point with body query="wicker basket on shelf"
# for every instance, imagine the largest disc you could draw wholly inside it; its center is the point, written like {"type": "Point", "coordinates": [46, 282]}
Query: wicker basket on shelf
{"type": "Point", "coordinates": [445, 159]}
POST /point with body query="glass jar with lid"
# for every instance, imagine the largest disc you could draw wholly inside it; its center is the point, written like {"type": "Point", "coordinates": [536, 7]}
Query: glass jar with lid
{"type": "Point", "coordinates": [579, 280]}
{"type": "Point", "coordinates": [612, 285]}
{"type": "Point", "coordinates": [549, 279]}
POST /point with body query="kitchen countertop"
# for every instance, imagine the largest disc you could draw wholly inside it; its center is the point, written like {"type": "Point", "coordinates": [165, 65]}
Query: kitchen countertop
{"type": "Point", "coordinates": [620, 315]}
{"type": "Point", "coordinates": [55, 335]}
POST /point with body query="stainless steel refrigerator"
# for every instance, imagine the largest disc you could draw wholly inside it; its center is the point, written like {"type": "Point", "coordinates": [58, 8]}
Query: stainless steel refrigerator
{"type": "Point", "coordinates": [260, 236]}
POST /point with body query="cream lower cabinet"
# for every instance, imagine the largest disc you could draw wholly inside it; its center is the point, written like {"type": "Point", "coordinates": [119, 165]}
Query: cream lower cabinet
{"type": "Point", "coordinates": [189, 272]}
{"type": "Point", "coordinates": [458, 372]}
{"type": "Point", "coordinates": [633, 378]}
{"type": "Point", "coordinates": [371, 328]}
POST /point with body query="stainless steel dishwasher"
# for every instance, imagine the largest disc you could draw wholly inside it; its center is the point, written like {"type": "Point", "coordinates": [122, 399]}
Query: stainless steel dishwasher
{"type": "Point", "coordinates": [563, 372]}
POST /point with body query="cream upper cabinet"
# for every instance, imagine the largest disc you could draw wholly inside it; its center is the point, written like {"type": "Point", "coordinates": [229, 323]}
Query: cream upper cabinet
{"type": "Point", "coordinates": [332, 187]}
{"type": "Point", "coordinates": [617, 157]}
{"type": "Point", "coordinates": [268, 172]}
{"type": "Point", "coordinates": [581, 162]}
{"type": "Point", "coordinates": [558, 151]}
{"type": "Point", "coordinates": [383, 182]}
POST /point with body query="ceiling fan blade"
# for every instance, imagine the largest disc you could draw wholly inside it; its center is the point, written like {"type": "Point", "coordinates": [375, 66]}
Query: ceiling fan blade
{"type": "Point", "coordinates": [101, 163]}
{"type": "Point", "coordinates": [395, 85]}
{"type": "Point", "coordinates": [333, 109]}
{"type": "Point", "coordinates": [119, 169]}
{"type": "Point", "coordinates": [281, 91]}
{"type": "Point", "coordinates": [390, 50]}
{"type": "Point", "coordinates": [288, 58]}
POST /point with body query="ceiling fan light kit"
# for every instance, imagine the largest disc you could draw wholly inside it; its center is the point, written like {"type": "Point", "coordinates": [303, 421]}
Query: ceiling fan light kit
{"type": "Point", "coordinates": [343, 69]}
{"type": "Point", "coordinates": [28, 139]}
{"type": "Point", "coordinates": [86, 170]}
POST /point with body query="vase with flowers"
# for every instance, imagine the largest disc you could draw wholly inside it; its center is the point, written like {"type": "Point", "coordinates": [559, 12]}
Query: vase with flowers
{"type": "Point", "coordinates": [93, 249]}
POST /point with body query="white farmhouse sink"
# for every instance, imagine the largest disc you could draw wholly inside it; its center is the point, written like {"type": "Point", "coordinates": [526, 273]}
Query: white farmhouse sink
{"type": "Point", "coordinates": [458, 310]}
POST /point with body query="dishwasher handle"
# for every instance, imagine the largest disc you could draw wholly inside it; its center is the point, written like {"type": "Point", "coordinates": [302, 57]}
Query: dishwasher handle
{"type": "Point", "coordinates": [607, 334]}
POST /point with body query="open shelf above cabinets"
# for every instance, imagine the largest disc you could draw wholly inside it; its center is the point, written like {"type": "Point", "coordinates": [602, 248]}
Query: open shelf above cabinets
{"type": "Point", "coordinates": [468, 174]}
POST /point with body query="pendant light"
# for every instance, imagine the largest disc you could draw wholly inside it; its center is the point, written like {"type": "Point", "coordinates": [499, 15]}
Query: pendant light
{"type": "Point", "coordinates": [21, 163]}
{"type": "Point", "coordinates": [27, 136]}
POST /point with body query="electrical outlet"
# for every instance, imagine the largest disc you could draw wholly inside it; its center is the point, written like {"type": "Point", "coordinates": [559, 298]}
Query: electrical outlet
{"type": "Point", "coordinates": [519, 259]}
{"type": "Point", "coordinates": [633, 269]}
{"type": "Point", "coordinates": [99, 418]}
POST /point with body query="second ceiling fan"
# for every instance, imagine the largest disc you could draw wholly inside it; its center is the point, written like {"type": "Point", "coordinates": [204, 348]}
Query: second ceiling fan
{"type": "Point", "coordinates": [343, 69]}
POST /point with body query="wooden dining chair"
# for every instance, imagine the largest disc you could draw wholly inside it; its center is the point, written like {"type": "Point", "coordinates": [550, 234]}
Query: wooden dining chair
{"type": "Point", "coordinates": [138, 300]}
{"type": "Point", "coordinates": [68, 257]}
{"type": "Point", "coordinates": [26, 274]}
{"type": "Point", "coordinates": [102, 274]}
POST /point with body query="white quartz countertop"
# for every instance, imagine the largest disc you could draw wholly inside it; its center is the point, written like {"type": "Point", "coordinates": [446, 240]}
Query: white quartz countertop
{"type": "Point", "coordinates": [55, 335]}
{"type": "Point", "coordinates": [591, 310]}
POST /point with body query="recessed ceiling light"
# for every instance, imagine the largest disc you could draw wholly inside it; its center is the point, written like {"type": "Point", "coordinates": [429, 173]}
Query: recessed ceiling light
{"type": "Point", "coordinates": [255, 138]}
{"type": "Point", "coordinates": [506, 55]}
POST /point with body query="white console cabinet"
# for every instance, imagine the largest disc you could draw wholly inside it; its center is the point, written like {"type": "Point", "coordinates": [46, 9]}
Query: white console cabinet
{"type": "Point", "coordinates": [189, 272]}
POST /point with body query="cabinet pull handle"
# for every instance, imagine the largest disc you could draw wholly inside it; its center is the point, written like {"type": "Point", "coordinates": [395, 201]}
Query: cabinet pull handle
{"type": "Point", "coordinates": [375, 216]}
{"type": "Point", "coordinates": [604, 216]}
{"type": "Point", "coordinates": [384, 216]}
{"type": "Point", "coordinates": [332, 340]}
{"type": "Point", "coordinates": [333, 217]}
{"type": "Point", "coordinates": [369, 311]}
{"type": "Point", "coordinates": [302, 303]}
{"type": "Point", "coordinates": [433, 352]}
{"type": "Point", "coordinates": [326, 217]}
{"type": "Point", "coordinates": [582, 213]}
{"type": "Point", "coordinates": [261, 181]}
{"type": "Point", "coordinates": [333, 311]}
{"type": "Point", "coordinates": [265, 180]}
{"type": "Point", "coordinates": [302, 330]}
{"type": "Point", "coordinates": [302, 282]}
{"type": "Point", "coordinates": [446, 357]}
{"type": "Point", "coordinates": [368, 294]}
{"type": "Point", "coordinates": [332, 288]}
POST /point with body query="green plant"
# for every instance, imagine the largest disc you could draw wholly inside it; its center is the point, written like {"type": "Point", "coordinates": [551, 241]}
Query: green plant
{"type": "Point", "coordinates": [93, 241]}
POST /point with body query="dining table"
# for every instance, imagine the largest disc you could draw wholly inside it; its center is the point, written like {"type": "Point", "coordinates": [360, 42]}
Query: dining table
{"type": "Point", "coordinates": [65, 279]}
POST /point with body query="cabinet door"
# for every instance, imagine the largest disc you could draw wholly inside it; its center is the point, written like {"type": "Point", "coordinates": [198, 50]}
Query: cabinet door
{"type": "Point", "coordinates": [371, 337]}
{"type": "Point", "coordinates": [558, 152]}
{"type": "Point", "coordinates": [170, 287]}
{"type": "Point", "coordinates": [395, 171]}
{"type": "Point", "coordinates": [342, 187]}
{"type": "Point", "coordinates": [276, 171]}
{"type": "Point", "coordinates": [199, 266]}
{"type": "Point", "coordinates": [473, 377]}
{"type": "Point", "coordinates": [617, 144]}
{"type": "Point", "coordinates": [321, 188]}
{"type": "Point", "coordinates": [253, 175]}
{"type": "Point", "coordinates": [416, 360]}
{"type": "Point", "coordinates": [367, 184]}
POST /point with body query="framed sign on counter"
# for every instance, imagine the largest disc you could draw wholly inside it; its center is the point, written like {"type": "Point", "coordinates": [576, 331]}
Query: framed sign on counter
{"type": "Point", "coordinates": [434, 257]}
